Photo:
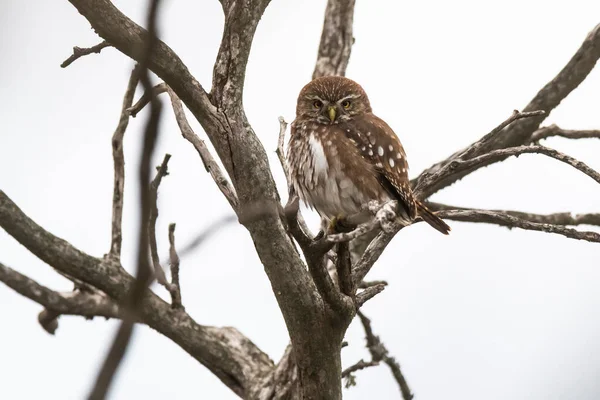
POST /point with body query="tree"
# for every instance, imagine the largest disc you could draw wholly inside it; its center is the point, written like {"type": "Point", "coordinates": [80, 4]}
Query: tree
{"type": "Point", "coordinates": [316, 312]}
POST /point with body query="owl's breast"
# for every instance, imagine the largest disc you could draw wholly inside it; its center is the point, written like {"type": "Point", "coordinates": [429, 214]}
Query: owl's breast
{"type": "Point", "coordinates": [323, 175]}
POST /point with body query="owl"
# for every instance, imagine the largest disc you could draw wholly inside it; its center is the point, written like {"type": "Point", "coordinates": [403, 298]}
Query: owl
{"type": "Point", "coordinates": [341, 156]}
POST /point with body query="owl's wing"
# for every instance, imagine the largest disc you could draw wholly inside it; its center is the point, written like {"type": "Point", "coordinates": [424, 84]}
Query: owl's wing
{"type": "Point", "coordinates": [378, 144]}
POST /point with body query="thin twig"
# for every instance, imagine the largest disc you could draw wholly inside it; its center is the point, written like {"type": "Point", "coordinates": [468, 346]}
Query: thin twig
{"type": "Point", "coordinates": [207, 159]}
{"type": "Point", "coordinates": [79, 52]}
{"type": "Point", "coordinates": [119, 166]}
{"type": "Point", "coordinates": [553, 130]}
{"type": "Point", "coordinates": [362, 364]}
{"type": "Point", "coordinates": [280, 149]}
{"type": "Point", "coordinates": [174, 263]}
{"type": "Point", "coordinates": [380, 353]}
{"type": "Point", "coordinates": [475, 148]}
{"type": "Point", "coordinates": [368, 294]}
{"type": "Point", "coordinates": [121, 341]}
{"type": "Point", "coordinates": [366, 284]}
{"type": "Point", "coordinates": [159, 273]}
{"type": "Point", "coordinates": [502, 219]}
{"type": "Point", "coordinates": [145, 99]}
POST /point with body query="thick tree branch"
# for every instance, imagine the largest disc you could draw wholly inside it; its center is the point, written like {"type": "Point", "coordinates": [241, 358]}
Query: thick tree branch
{"type": "Point", "coordinates": [510, 221]}
{"type": "Point", "coordinates": [336, 39]}
{"type": "Point", "coordinates": [129, 38]}
{"type": "Point", "coordinates": [562, 218]}
{"type": "Point", "coordinates": [119, 166]}
{"type": "Point", "coordinates": [553, 130]}
{"type": "Point", "coordinates": [343, 267]}
{"type": "Point", "coordinates": [79, 52]}
{"type": "Point", "coordinates": [70, 303]}
{"type": "Point", "coordinates": [430, 183]}
{"type": "Point", "coordinates": [232, 357]}
{"type": "Point", "coordinates": [520, 132]}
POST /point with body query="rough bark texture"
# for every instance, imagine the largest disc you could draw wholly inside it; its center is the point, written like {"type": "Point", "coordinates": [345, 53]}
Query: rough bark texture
{"type": "Point", "coordinates": [317, 308]}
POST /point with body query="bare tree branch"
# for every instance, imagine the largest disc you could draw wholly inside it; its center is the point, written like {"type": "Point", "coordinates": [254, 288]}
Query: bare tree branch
{"type": "Point", "coordinates": [228, 354]}
{"type": "Point", "coordinates": [476, 147]}
{"type": "Point", "coordinates": [174, 262]}
{"type": "Point", "coordinates": [361, 364]}
{"type": "Point", "coordinates": [368, 294]}
{"type": "Point", "coordinates": [502, 219]}
{"type": "Point", "coordinates": [145, 99]}
{"type": "Point", "coordinates": [562, 218]}
{"type": "Point", "coordinates": [366, 284]}
{"type": "Point", "coordinates": [143, 275]}
{"type": "Point", "coordinates": [209, 162]}
{"type": "Point", "coordinates": [336, 39]}
{"type": "Point", "coordinates": [380, 353]}
{"type": "Point", "coordinates": [519, 133]}
{"type": "Point", "coordinates": [553, 130]}
{"type": "Point", "coordinates": [79, 52]}
{"type": "Point", "coordinates": [69, 303]}
{"type": "Point", "coordinates": [159, 273]}
{"type": "Point", "coordinates": [280, 149]}
{"type": "Point", "coordinates": [343, 267]}
{"type": "Point", "coordinates": [119, 166]}
{"type": "Point", "coordinates": [430, 183]}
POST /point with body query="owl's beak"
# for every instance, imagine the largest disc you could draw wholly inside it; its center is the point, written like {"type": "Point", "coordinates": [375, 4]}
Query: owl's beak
{"type": "Point", "coordinates": [331, 112]}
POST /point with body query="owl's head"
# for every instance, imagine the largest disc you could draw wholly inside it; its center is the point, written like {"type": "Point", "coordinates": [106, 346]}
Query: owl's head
{"type": "Point", "coordinates": [332, 99]}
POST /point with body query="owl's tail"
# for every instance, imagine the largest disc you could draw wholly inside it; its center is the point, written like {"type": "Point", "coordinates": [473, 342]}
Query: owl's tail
{"type": "Point", "coordinates": [432, 219]}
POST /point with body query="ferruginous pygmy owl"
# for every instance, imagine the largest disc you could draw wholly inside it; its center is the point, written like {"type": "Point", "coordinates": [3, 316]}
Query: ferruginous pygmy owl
{"type": "Point", "coordinates": [341, 156]}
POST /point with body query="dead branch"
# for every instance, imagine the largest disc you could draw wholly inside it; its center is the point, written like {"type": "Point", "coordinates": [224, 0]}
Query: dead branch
{"type": "Point", "coordinates": [562, 218]}
{"type": "Point", "coordinates": [476, 147]}
{"type": "Point", "coordinates": [368, 294]}
{"type": "Point", "coordinates": [227, 353]}
{"type": "Point", "coordinates": [209, 162]}
{"type": "Point", "coordinates": [361, 364]}
{"type": "Point", "coordinates": [143, 275]}
{"type": "Point", "coordinates": [548, 98]}
{"type": "Point", "coordinates": [280, 149]}
{"type": "Point", "coordinates": [429, 183]}
{"type": "Point", "coordinates": [343, 267]}
{"type": "Point", "coordinates": [380, 353]}
{"type": "Point", "coordinates": [509, 221]}
{"type": "Point", "coordinates": [174, 263]}
{"type": "Point", "coordinates": [119, 166]}
{"type": "Point", "coordinates": [553, 130]}
{"type": "Point", "coordinates": [70, 303]}
{"type": "Point", "coordinates": [79, 52]}
{"type": "Point", "coordinates": [159, 273]}
{"type": "Point", "coordinates": [336, 39]}
{"type": "Point", "coordinates": [145, 99]}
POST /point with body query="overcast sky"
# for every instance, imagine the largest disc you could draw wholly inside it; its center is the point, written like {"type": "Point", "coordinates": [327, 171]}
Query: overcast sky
{"type": "Point", "coordinates": [485, 313]}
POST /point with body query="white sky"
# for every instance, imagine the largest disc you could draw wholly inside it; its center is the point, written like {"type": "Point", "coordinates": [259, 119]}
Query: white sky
{"type": "Point", "coordinates": [485, 313]}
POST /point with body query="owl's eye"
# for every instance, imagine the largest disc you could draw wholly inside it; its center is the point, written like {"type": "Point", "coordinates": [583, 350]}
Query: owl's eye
{"type": "Point", "coordinates": [346, 104]}
{"type": "Point", "coordinates": [317, 104]}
